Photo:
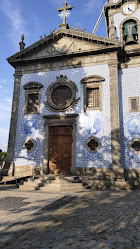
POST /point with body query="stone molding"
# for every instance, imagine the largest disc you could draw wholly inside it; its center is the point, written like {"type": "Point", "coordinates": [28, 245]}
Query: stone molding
{"type": "Point", "coordinates": [32, 88]}
{"type": "Point", "coordinates": [61, 81]}
{"type": "Point", "coordinates": [92, 81]}
{"type": "Point", "coordinates": [96, 140]}
{"type": "Point", "coordinates": [130, 145]}
{"type": "Point", "coordinates": [34, 145]}
{"type": "Point", "coordinates": [13, 123]}
{"type": "Point", "coordinates": [110, 43]}
{"type": "Point", "coordinates": [114, 111]}
{"type": "Point", "coordinates": [59, 120]}
{"type": "Point", "coordinates": [138, 26]}
{"type": "Point", "coordinates": [92, 78]}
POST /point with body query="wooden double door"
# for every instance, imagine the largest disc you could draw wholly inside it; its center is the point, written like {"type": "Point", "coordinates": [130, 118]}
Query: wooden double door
{"type": "Point", "coordinates": [60, 149]}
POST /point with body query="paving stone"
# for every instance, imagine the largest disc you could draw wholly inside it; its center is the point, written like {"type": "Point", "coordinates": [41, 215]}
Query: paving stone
{"type": "Point", "coordinates": [101, 219]}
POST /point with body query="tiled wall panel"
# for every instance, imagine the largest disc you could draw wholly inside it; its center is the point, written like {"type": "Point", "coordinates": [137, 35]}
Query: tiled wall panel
{"type": "Point", "coordinates": [90, 123]}
{"type": "Point", "coordinates": [129, 86]}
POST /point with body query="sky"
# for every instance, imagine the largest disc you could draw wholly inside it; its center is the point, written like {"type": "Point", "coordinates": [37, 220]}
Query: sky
{"type": "Point", "coordinates": [34, 18]}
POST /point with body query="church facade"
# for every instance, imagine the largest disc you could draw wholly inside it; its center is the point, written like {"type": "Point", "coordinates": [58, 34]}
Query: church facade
{"type": "Point", "coordinates": [76, 101]}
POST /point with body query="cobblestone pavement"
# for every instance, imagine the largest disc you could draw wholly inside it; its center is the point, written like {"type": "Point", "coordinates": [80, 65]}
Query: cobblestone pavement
{"type": "Point", "coordinates": [88, 220]}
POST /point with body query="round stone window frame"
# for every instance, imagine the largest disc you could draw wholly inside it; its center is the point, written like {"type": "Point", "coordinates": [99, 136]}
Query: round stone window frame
{"type": "Point", "coordinates": [97, 141]}
{"type": "Point", "coordinates": [61, 81]}
{"type": "Point", "coordinates": [34, 143]}
{"type": "Point", "coordinates": [130, 146]}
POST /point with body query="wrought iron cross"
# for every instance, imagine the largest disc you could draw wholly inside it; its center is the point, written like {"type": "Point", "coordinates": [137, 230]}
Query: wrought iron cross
{"type": "Point", "coordinates": [65, 12]}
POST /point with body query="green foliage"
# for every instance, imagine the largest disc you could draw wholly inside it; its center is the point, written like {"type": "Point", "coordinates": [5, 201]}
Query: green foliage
{"type": "Point", "coordinates": [2, 155]}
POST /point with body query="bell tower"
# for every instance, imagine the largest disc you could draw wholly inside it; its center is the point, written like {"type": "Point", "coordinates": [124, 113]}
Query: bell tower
{"type": "Point", "coordinates": [123, 20]}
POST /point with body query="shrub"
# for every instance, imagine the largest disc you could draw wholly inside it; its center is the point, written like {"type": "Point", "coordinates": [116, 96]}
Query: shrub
{"type": "Point", "coordinates": [2, 155]}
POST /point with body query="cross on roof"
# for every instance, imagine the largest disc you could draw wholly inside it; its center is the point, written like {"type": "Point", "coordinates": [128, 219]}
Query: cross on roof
{"type": "Point", "coordinates": [65, 13]}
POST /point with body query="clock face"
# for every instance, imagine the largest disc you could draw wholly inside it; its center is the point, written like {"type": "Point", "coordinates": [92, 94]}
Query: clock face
{"type": "Point", "coordinates": [129, 8]}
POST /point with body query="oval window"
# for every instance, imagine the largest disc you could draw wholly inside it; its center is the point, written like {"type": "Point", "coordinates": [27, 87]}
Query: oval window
{"type": "Point", "coordinates": [61, 95]}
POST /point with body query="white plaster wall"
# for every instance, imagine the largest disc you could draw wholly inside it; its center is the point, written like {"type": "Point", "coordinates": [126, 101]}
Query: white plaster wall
{"type": "Point", "coordinates": [129, 86]}
{"type": "Point", "coordinates": [91, 123]}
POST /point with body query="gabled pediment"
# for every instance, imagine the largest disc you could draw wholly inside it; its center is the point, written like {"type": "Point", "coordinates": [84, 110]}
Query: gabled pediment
{"type": "Point", "coordinates": [64, 42]}
{"type": "Point", "coordinates": [63, 46]}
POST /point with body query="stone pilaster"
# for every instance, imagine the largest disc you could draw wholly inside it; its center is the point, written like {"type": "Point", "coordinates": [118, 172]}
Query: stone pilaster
{"type": "Point", "coordinates": [13, 123]}
{"type": "Point", "coordinates": [114, 111]}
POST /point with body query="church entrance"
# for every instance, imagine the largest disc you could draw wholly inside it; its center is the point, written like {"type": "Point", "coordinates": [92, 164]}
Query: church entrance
{"type": "Point", "coordinates": [60, 149]}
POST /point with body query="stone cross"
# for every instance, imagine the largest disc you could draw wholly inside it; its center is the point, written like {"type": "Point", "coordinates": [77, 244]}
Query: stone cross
{"type": "Point", "coordinates": [65, 13]}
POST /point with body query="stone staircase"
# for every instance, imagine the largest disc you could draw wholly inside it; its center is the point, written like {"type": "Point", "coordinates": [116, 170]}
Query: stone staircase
{"type": "Point", "coordinates": [107, 179]}
{"type": "Point", "coordinates": [113, 180]}
{"type": "Point", "coordinates": [54, 184]}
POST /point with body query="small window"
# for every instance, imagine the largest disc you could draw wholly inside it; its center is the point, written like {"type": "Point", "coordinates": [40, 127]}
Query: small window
{"type": "Point", "coordinates": [134, 145]}
{"type": "Point", "coordinates": [92, 144]}
{"type": "Point", "coordinates": [92, 86]}
{"type": "Point", "coordinates": [93, 98]}
{"type": "Point", "coordinates": [29, 145]}
{"type": "Point", "coordinates": [32, 102]}
{"type": "Point", "coordinates": [134, 104]}
{"type": "Point", "coordinates": [32, 97]}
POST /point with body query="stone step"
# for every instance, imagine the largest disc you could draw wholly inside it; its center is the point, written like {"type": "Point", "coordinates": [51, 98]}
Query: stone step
{"type": "Point", "coordinates": [27, 188]}
{"type": "Point", "coordinates": [34, 184]}
{"type": "Point", "coordinates": [61, 189]}
{"type": "Point", "coordinates": [8, 178]}
{"type": "Point", "coordinates": [102, 179]}
{"type": "Point", "coordinates": [122, 186]}
{"type": "Point", "coordinates": [74, 186]}
{"type": "Point", "coordinates": [50, 189]}
{"type": "Point", "coordinates": [114, 185]}
{"type": "Point", "coordinates": [36, 180]}
{"type": "Point", "coordinates": [44, 177]}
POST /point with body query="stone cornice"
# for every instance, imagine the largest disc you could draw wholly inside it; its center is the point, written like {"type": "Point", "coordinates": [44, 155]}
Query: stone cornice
{"type": "Point", "coordinates": [17, 74]}
{"type": "Point", "coordinates": [110, 42]}
{"type": "Point", "coordinates": [77, 53]}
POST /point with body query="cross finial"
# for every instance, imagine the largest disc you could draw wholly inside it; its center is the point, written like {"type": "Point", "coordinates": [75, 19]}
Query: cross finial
{"type": "Point", "coordinates": [65, 12]}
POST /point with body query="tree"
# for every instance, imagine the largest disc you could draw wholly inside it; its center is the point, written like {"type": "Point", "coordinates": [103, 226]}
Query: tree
{"type": "Point", "coordinates": [2, 155]}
